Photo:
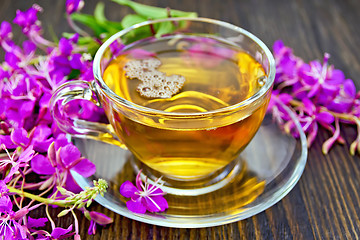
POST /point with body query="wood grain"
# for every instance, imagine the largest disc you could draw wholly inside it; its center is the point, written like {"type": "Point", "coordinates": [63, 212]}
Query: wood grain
{"type": "Point", "coordinates": [325, 204]}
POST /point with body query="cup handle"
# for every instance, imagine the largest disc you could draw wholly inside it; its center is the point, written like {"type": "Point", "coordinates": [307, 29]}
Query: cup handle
{"type": "Point", "coordinates": [79, 89]}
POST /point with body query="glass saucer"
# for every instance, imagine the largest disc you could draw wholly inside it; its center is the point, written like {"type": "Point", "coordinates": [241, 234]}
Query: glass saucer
{"type": "Point", "coordinates": [272, 164]}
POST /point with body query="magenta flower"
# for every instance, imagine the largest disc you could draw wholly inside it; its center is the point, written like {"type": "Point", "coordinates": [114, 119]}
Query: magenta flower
{"type": "Point", "coordinates": [5, 31]}
{"type": "Point", "coordinates": [144, 197]}
{"type": "Point", "coordinates": [310, 116]}
{"type": "Point", "coordinates": [321, 80]}
{"type": "Point", "coordinates": [97, 218]}
{"type": "Point", "coordinates": [287, 65]}
{"type": "Point", "coordinates": [56, 234]}
{"type": "Point", "coordinates": [36, 222]}
{"type": "Point", "coordinates": [74, 6]}
{"type": "Point", "coordinates": [275, 106]}
{"type": "Point", "coordinates": [9, 220]}
{"type": "Point", "coordinates": [345, 99]}
{"type": "Point", "coordinates": [61, 159]}
{"type": "Point", "coordinates": [28, 20]}
{"type": "Point", "coordinates": [16, 162]}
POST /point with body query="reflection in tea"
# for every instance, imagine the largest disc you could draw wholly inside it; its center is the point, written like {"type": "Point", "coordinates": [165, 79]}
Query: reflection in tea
{"type": "Point", "coordinates": [216, 74]}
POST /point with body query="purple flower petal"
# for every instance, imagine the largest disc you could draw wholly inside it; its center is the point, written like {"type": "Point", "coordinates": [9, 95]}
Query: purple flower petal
{"type": "Point", "coordinates": [92, 228]}
{"type": "Point", "coordinates": [69, 154]}
{"type": "Point", "coordinates": [65, 46]}
{"type": "Point", "coordinates": [41, 165]}
{"type": "Point", "coordinates": [12, 60]}
{"type": "Point", "coordinates": [127, 189]}
{"type": "Point", "coordinates": [29, 47]}
{"type": "Point", "coordinates": [35, 223]}
{"type": "Point", "coordinates": [278, 46]}
{"type": "Point", "coordinates": [3, 188]}
{"type": "Point", "coordinates": [20, 229]}
{"type": "Point", "coordinates": [6, 140]}
{"type": "Point", "coordinates": [325, 117]}
{"type": "Point", "coordinates": [42, 132]}
{"type": "Point", "coordinates": [58, 232]}
{"type": "Point", "coordinates": [61, 141]}
{"type": "Point", "coordinates": [5, 30]}
{"type": "Point", "coordinates": [155, 203]}
{"type": "Point", "coordinates": [337, 77]}
{"type": "Point", "coordinates": [161, 202]}
{"type": "Point", "coordinates": [71, 185]}
{"type": "Point", "coordinates": [42, 146]}
{"type": "Point", "coordinates": [73, 6]}
{"type": "Point", "coordinates": [5, 204]}
{"type": "Point", "coordinates": [27, 154]}
{"type": "Point", "coordinates": [85, 168]}
{"type": "Point", "coordinates": [136, 206]}
{"type": "Point", "coordinates": [75, 61]}
{"type": "Point", "coordinates": [20, 137]}
{"type": "Point", "coordinates": [349, 88]}
{"type": "Point", "coordinates": [100, 218]}
{"type": "Point", "coordinates": [309, 106]}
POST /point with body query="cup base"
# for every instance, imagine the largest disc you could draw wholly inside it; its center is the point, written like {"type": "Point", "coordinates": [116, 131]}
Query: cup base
{"type": "Point", "coordinates": [190, 187]}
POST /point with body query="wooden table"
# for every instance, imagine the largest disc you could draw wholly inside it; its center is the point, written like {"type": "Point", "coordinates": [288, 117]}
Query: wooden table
{"type": "Point", "coordinates": [325, 204]}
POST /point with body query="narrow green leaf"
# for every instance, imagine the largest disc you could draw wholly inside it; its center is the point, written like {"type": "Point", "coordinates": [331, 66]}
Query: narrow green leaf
{"type": "Point", "coordinates": [116, 25]}
{"type": "Point", "coordinates": [131, 19]}
{"type": "Point", "coordinates": [63, 213]}
{"type": "Point", "coordinates": [99, 13]}
{"type": "Point", "coordinates": [88, 21]}
{"type": "Point", "coordinates": [153, 12]}
{"type": "Point", "coordinates": [88, 203]}
{"type": "Point", "coordinates": [164, 28]}
{"type": "Point", "coordinates": [87, 215]}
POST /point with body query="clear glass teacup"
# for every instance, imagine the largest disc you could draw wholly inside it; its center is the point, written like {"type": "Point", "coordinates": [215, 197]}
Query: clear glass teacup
{"type": "Point", "coordinates": [184, 95]}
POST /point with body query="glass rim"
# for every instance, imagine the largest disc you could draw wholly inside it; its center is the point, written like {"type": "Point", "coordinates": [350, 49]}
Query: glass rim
{"type": "Point", "coordinates": [247, 102]}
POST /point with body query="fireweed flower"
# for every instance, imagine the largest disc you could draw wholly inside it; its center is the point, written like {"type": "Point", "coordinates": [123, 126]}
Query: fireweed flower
{"type": "Point", "coordinates": [15, 162]}
{"type": "Point", "coordinates": [74, 6]}
{"type": "Point", "coordinates": [287, 65]}
{"type": "Point", "coordinates": [57, 233]}
{"type": "Point", "coordinates": [10, 221]}
{"type": "Point", "coordinates": [310, 116]}
{"type": "Point", "coordinates": [58, 163]}
{"type": "Point", "coordinates": [144, 197]}
{"type": "Point", "coordinates": [28, 20]}
{"type": "Point", "coordinates": [321, 79]}
{"type": "Point", "coordinates": [344, 101]}
{"type": "Point", "coordinates": [97, 218]}
{"type": "Point", "coordinates": [321, 96]}
{"type": "Point", "coordinates": [31, 26]}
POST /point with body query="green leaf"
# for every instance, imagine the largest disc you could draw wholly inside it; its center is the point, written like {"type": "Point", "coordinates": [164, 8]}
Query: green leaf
{"type": "Point", "coordinates": [132, 19]}
{"type": "Point", "coordinates": [116, 25]}
{"type": "Point", "coordinates": [74, 74]}
{"type": "Point", "coordinates": [63, 212]}
{"type": "Point", "coordinates": [99, 13]}
{"type": "Point", "coordinates": [88, 203]}
{"type": "Point", "coordinates": [153, 12]}
{"type": "Point", "coordinates": [164, 28]}
{"type": "Point", "coordinates": [89, 21]}
{"type": "Point", "coordinates": [87, 215]}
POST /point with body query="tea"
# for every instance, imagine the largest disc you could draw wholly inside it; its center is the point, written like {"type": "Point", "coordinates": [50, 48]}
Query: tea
{"type": "Point", "coordinates": [210, 75]}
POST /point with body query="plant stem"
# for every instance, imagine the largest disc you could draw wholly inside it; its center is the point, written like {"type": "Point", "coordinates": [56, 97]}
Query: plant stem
{"type": "Point", "coordinates": [60, 203]}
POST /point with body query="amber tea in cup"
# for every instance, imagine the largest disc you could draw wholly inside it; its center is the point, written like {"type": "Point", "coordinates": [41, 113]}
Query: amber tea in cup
{"type": "Point", "coordinates": [211, 82]}
{"type": "Point", "coordinates": [185, 103]}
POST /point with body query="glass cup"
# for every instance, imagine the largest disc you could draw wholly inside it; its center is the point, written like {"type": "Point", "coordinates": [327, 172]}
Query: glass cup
{"type": "Point", "coordinates": [195, 149]}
